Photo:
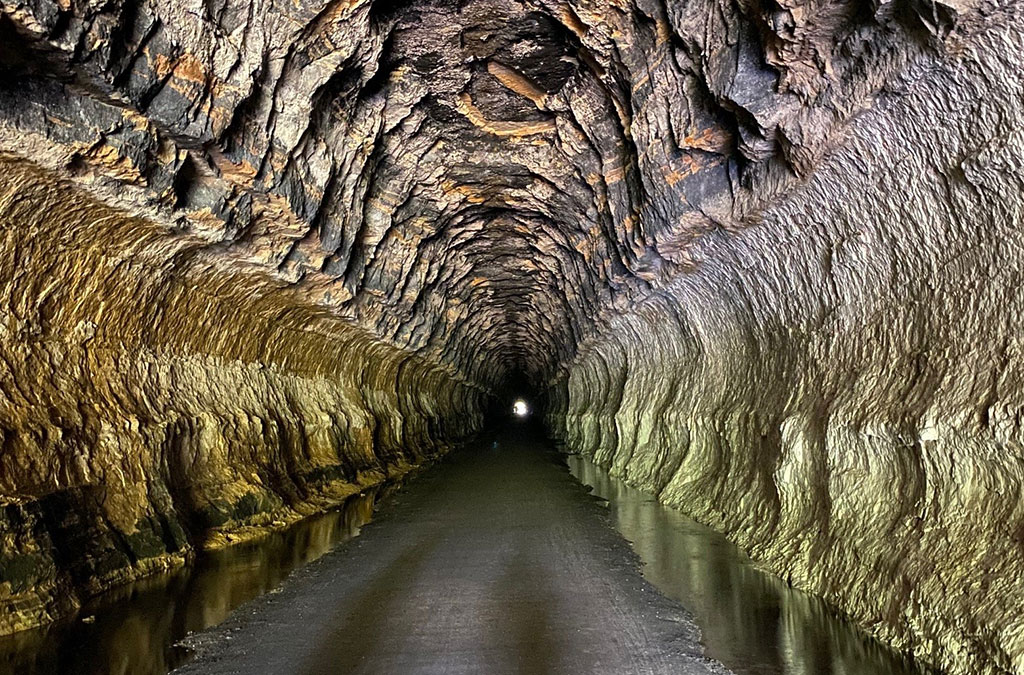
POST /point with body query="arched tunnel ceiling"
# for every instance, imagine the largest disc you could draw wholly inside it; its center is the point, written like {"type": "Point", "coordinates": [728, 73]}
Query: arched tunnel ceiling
{"type": "Point", "coordinates": [475, 181]}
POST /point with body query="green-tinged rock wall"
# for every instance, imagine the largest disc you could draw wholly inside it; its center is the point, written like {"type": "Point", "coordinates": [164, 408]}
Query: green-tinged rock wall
{"type": "Point", "coordinates": [152, 402]}
{"type": "Point", "coordinates": [839, 387]}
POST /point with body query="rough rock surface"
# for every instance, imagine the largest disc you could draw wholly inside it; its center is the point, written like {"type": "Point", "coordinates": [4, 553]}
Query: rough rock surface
{"type": "Point", "coordinates": [840, 387]}
{"type": "Point", "coordinates": [149, 405]}
{"type": "Point", "coordinates": [763, 255]}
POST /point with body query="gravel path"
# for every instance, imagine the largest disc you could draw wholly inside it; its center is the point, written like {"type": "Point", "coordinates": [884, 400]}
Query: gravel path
{"type": "Point", "coordinates": [495, 561]}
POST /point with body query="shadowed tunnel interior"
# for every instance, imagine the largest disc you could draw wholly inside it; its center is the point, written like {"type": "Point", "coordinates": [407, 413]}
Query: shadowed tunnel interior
{"type": "Point", "coordinates": [759, 258]}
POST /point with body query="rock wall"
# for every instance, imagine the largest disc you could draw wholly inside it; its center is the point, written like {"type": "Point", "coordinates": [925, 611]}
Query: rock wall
{"type": "Point", "coordinates": [474, 181]}
{"type": "Point", "coordinates": [765, 253]}
{"type": "Point", "coordinates": [152, 402]}
{"type": "Point", "coordinates": [839, 387]}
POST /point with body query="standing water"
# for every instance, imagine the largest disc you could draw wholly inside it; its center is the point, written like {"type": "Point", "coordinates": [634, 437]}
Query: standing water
{"type": "Point", "coordinates": [133, 630]}
{"type": "Point", "coordinates": [751, 621]}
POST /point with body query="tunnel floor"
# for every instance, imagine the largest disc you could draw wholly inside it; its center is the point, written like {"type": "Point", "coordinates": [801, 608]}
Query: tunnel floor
{"type": "Point", "coordinates": [495, 561]}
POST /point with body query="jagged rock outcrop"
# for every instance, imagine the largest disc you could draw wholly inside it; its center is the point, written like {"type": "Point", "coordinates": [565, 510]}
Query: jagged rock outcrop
{"type": "Point", "coordinates": [763, 256]}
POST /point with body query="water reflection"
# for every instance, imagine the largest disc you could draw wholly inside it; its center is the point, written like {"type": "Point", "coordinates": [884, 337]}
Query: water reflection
{"type": "Point", "coordinates": [133, 629]}
{"type": "Point", "coordinates": [751, 621]}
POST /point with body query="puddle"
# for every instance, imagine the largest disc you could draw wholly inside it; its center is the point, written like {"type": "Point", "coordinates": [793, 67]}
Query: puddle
{"type": "Point", "coordinates": [751, 621]}
{"type": "Point", "coordinates": [134, 628]}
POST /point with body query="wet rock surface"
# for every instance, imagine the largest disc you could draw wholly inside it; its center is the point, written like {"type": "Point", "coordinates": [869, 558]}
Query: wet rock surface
{"type": "Point", "coordinates": [135, 629]}
{"type": "Point", "coordinates": [150, 407]}
{"type": "Point", "coordinates": [762, 257]}
{"type": "Point", "coordinates": [750, 620]}
{"type": "Point", "coordinates": [839, 388]}
{"type": "Point", "coordinates": [496, 560]}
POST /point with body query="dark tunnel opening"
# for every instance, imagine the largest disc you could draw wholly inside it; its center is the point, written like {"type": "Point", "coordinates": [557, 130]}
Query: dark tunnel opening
{"type": "Point", "coordinates": [517, 388]}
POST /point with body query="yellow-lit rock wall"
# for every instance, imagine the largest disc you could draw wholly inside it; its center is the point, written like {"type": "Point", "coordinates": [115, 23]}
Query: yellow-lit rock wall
{"type": "Point", "coordinates": [152, 402]}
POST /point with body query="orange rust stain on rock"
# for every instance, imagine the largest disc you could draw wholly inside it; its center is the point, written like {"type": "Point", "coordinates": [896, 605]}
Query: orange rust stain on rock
{"type": "Point", "coordinates": [464, 104]}
{"type": "Point", "coordinates": [650, 68]}
{"type": "Point", "coordinates": [518, 83]}
{"type": "Point", "coordinates": [572, 21]}
{"type": "Point", "coordinates": [467, 192]}
{"type": "Point", "coordinates": [57, 121]}
{"type": "Point", "coordinates": [140, 122]}
{"type": "Point", "coordinates": [337, 12]}
{"type": "Point", "coordinates": [278, 211]}
{"type": "Point", "coordinates": [187, 73]}
{"type": "Point", "coordinates": [709, 139]}
{"type": "Point", "coordinates": [205, 219]}
{"type": "Point", "coordinates": [664, 31]}
{"type": "Point", "coordinates": [112, 163]}
{"type": "Point", "coordinates": [615, 174]}
{"type": "Point", "coordinates": [162, 65]}
{"type": "Point", "coordinates": [240, 173]}
{"type": "Point", "coordinates": [686, 167]}
{"type": "Point", "coordinates": [186, 67]}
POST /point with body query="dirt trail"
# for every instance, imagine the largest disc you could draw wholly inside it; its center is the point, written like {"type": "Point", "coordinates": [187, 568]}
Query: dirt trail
{"type": "Point", "coordinates": [495, 561]}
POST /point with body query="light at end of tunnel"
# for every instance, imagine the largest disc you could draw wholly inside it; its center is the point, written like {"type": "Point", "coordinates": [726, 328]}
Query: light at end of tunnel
{"type": "Point", "coordinates": [520, 408]}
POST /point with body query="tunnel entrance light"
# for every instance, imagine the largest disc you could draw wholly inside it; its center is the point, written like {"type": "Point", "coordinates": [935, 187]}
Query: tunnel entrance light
{"type": "Point", "coordinates": [520, 408]}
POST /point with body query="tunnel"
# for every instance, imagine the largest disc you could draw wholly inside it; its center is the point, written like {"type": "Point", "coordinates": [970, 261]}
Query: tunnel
{"type": "Point", "coordinates": [510, 277]}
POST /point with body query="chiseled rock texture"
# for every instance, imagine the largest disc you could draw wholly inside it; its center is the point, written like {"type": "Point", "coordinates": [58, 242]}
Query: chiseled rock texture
{"type": "Point", "coordinates": [762, 256]}
{"type": "Point", "coordinates": [150, 405]}
{"type": "Point", "coordinates": [840, 388]}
